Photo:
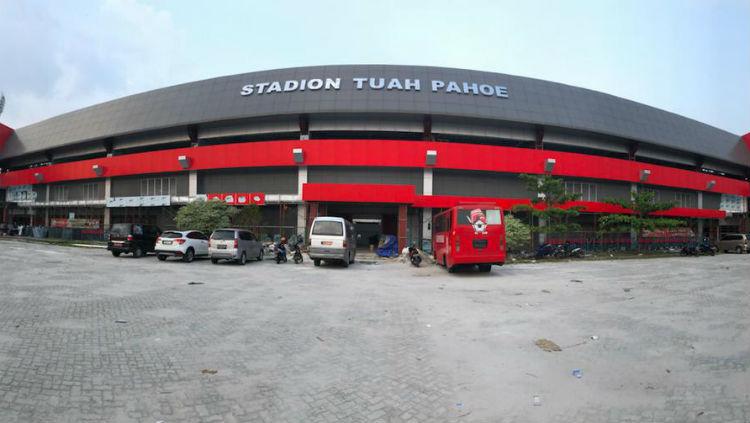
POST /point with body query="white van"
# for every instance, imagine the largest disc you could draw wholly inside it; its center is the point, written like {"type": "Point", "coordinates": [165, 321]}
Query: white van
{"type": "Point", "coordinates": [332, 238]}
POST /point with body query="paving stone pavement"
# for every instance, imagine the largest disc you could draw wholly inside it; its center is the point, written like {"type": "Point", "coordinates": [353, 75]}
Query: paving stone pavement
{"type": "Point", "coordinates": [372, 343]}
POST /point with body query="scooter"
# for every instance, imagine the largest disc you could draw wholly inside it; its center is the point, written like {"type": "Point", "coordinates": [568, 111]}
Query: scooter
{"type": "Point", "coordinates": [704, 247]}
{"type": "Point", "coordinates": [414, 256]}
{"type": "Point", "coordinates": [297, 256]}
{"type": "Point", "coordinates": [280, 253]}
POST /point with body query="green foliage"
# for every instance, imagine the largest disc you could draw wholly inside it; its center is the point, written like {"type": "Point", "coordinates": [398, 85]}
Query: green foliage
{"type": "Point", "coordinates": [551, 188]}
{"type": "Point", "coordinates": [550, 193]}
{"type": "Point", "coordinates": [248, 216]}
{"type": "Point", "coordinates": [517, 234]}
{"type": "Point", "coordinates": [204, 216]}
{"type": "Point", "coordinates": [642, 205]}
{"type": "Point", "coordinates": [624, 222]}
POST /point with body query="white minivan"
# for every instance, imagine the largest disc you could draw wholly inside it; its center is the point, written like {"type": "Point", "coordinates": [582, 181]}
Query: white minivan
{"type": "Point", "coordinates": [332, 238]}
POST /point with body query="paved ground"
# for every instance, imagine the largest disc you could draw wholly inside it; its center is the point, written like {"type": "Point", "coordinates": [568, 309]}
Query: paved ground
{"type": "Point", "coordinates": [372, 343]}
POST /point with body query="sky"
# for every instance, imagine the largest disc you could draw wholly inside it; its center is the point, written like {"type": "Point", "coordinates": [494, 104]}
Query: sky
{"type": "Point", "coordinates": [690, 57]}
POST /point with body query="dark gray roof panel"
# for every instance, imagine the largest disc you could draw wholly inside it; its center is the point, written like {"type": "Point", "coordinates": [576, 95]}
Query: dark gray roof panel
{"type": "Point", "coordinates": [530, 101]}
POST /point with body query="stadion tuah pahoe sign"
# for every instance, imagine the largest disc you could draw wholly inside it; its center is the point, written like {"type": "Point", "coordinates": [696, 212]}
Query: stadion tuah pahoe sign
{"type": "Point", "coordinates": [370, 83]}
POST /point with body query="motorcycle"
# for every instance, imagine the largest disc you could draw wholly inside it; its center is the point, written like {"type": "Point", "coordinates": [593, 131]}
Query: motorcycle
{"type": "Point", "coordinates": [414, 256]}
{"type": "Point", "coordinates": [544, 250]}
{"type": "Point", "coordinates": [558, 251]}
{"type": "Point", "coordinates": [704, 248]}
{"type": "Point", "coordinates": [280, 253]}
{"type": "Point", "coordinates": [297, 254]}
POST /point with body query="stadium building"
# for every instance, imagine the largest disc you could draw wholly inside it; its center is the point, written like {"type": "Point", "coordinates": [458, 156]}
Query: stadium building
{"type": "Point", "coordinates": [384, 146]}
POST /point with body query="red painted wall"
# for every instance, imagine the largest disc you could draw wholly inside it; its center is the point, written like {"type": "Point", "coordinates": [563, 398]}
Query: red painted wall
{"type": "Point", "coordinates": [4, 135]}
{"type": "Point", "coordinates": [405, 194]}
{"type": "Point", "coordinates": [379, 153]}
{"type": "Point", "coordinates": [746, 138]}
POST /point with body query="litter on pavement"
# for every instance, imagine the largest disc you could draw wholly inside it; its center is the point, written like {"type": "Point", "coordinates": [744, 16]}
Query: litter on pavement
{"type": "Point", "coordinates": [547, 345]}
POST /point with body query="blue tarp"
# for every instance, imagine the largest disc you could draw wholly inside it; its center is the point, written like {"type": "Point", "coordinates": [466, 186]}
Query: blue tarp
{"type": "Point", "coordinates": [388, 246]}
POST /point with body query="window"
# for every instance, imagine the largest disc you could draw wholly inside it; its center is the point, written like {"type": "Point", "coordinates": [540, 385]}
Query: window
{"type": "Point", "coordinates": [587, 191]}
{"type": "Point", "coordinates": [328, 227]}
{"type": "Point", "coordinates": [442, 223]}
{"type": "Point", "coordinates": [469, 216]}
{"type": "Point", "coordinates": [91, 191]}
{"type": "Point", "coordinates": [60, 193]}
{"type": "Point", "coordinates": [223, 235]}
{"type": "Point", "coordinates": [158, 186]}
{"type": "Point", "coordinates": [686, 199]}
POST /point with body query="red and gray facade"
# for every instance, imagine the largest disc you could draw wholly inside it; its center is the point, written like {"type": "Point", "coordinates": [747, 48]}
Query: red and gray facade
{"type": "Point", "coordinates": [368, 142]}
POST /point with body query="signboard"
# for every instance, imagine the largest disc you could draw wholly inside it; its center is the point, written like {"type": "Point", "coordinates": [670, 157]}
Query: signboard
{"type": "Point", "coordinates": [376, 84]}
{"type": "Point", "coordinates": [143, 201]}
{"type": "Point", "coordinates": [74, 223]}
{"type": "Point", "coordinates": [733, 203]}
{"type": "Point", "coordinates": [238, 198]}
{"type": "Point", "coordinates": [20, 194]}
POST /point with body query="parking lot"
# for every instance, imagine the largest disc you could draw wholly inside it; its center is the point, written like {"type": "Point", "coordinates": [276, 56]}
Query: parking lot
{"type": "Point", "coordinates": [88, 337]}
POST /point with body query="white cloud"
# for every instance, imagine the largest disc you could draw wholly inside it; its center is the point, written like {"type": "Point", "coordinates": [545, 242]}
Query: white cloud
{"type": "Point", "coordinates": [62, 58]}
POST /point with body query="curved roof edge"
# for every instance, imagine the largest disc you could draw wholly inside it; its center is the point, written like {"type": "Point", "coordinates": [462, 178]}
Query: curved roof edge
{"type": "Point", "coordinates": [527, 100]}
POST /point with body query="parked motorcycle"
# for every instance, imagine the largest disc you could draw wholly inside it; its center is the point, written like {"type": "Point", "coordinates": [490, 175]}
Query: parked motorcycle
{"type": "Point", "coordinates": [280, 252]}
{"type": "Point", "coordinates": [544, 250]}
{"type": "Point", "coordinates": [297, 253]}
{"type": "Point", "coordinates": [414, 256]}
{"type": "Point", "coordinates": [559, 251]}
{"type": "Point", "coordinates": [704, 248]}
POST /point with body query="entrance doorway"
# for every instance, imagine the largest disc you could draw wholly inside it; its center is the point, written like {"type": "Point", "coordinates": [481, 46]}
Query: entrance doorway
{"type": "Point", "coordinates": [371, 221]}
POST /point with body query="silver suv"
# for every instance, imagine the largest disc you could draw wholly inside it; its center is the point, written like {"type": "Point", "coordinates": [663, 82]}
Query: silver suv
{"type": "Point", "coordinates": [737, 243]}
{"type": "Point", "coordinates": [234, 244]}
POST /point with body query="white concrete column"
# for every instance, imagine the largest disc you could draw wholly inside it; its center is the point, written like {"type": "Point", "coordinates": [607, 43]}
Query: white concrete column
{"type": "Point", "coordinates": [633, 233]}
{"type": "Point", "coordinates": [301, 180]}
{"type": "Point", "coordinates": [427, 181]}
{"type": "Point", "coordinates": [192, 183]}
{"type": "Point", "coordinates": [301, 220]}
{"type": "Point", "coordinates": [301, 206]}
{"type": "Point", "coordinates": [426, 224]}
{"type": "Point", "coordinates": [46, 206]}
{"type": "Point", "coordinates": [427, 212]}
{"type": "Point", "coordinates": [107, 195]}
{"type": "Point", "coordinates": [542, 235]}
{"type": "Point", "coordinates": [700, 199]}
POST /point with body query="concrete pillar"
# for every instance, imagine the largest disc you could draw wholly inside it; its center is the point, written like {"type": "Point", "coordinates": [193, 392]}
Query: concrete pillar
{"type": "Point", "coordinates": [427, 181]}
{"type": "Point", "coordinates": [542, 235]}
{"type": "Point", "coordinates": [302, 220]}
{"type": "Point", "coordinates": [426, 224]}
{"type": "Point", "coordinates": [699, 222]}
{"type": "Point", "coordinates": [46, 207]}
{"type": "Point", "coordinates": [402, 222]}
{"type": "Point", "coordinates": [427, 212]}
{"type": "Point", "coordinates": [192, 183]}
{"type": "Point", "coordinates": [107, 195]}
{"type": "Point", "coordinates": [633, 232]}
{"type": "Point", "coordinates": [301, 180]}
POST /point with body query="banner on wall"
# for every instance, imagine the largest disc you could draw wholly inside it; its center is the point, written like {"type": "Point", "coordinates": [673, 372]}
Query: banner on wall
{"type": "Point", "coordinates": [20, 194]}
{"type": "Point", "coordinates": [74, 223]}
{"type": "Point", "coordinates": [141, 201]}
{"type": "Point", "coordinates": [733, 203]}
{"type": "Point", "coordinates": [238, 198]}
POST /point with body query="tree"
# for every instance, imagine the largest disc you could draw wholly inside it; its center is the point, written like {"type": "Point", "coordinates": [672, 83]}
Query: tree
{"type": "Point", "coordinates": [517, 234]}
{"type": "Point", "coordinates": [204, 216]}
{"type": "Point", "coordinates": [550, 193]}
{"type": "Point", "coordinates": [642, 204]}
{"type": "Point", "coordinates": [248, 216]}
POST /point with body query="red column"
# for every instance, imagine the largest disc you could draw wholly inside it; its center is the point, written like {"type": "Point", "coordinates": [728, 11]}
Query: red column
{"type": "Point", "coordinates": [402, 209]}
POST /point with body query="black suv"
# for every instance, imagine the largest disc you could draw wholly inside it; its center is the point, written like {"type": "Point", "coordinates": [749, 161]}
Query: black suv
{"type": "Point", "coordinates": [134, 238]}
